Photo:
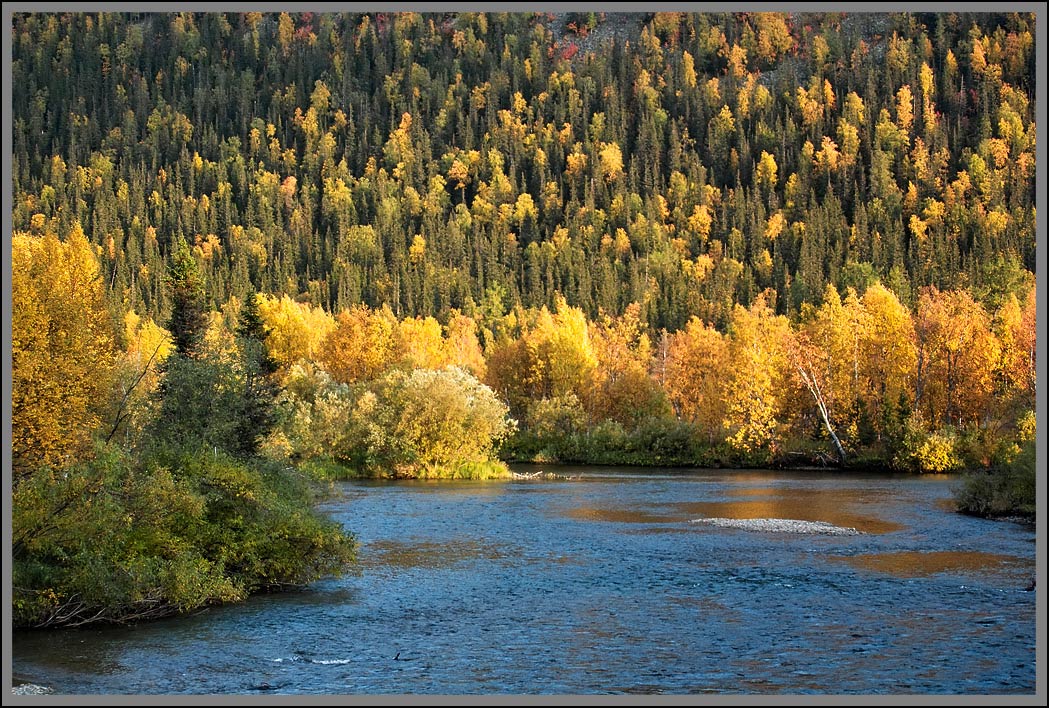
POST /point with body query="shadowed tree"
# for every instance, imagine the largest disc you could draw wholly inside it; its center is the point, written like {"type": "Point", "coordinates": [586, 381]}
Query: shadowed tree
{"type": "Point", "coordinates": [189, 319]}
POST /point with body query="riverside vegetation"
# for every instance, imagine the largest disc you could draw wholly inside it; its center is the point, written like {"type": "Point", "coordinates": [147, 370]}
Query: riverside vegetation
{"type": "Point", "coordinates": [256, 250]}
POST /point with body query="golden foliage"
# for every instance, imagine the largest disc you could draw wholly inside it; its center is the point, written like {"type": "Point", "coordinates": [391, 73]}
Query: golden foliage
{"type": "Point", "coordinates": [295, 330]}
{"type": "Point", "coordinates": [62, 349]}
{"type": "Point", "coordinates": [361, 347]}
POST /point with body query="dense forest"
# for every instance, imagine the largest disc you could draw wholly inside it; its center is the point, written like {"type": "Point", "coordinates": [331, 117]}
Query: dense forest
{"type": "Point", "coordinates": [251, 247]}
{"type": "Point", "coordinates": [442, 162]}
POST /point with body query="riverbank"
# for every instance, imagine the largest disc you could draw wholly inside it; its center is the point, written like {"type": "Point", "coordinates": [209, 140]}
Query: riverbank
{"type": "Point", "coordinates": [162, 536]}
{"type": "Point", "coordinates": [330, 471]}
{"type": "Point", "coordinates": [1007, 492]}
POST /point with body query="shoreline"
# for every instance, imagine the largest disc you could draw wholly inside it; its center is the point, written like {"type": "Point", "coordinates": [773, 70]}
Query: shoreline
{"type": "Point", "coordinates": [640, 467]}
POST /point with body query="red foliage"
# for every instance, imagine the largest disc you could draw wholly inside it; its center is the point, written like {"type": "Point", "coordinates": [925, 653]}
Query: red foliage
{"type": "Point", "coordinates": [570, 51]}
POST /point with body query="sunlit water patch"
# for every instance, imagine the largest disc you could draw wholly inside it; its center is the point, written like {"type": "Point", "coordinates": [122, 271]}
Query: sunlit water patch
{"type": "Point", "coordinates": [909, 564]}
{"type": "Point", "coordinates": [598, 583]}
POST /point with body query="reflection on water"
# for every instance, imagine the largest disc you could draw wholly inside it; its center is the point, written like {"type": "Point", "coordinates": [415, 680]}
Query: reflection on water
{"type": "Point", "coordinates": [842, 495]}
{"type": "Point", "coordinates": [803, 507]}
{"type": "Point", "coordinates": [754, 492]}
{"type": "Point", "coordinates": [425, 554]}
{"type": "Point", "coordinates": [392, 554]}
{"type": "Point", "coordinates": [602, 586]}
{"type": "Point", "coordinates": [646, 530]}
{"type": "Point", "coordinates": [446, 487]}
{"type": "Point", "coordinates": [836, 506]}
{"type": "Point", "coordinates": [947, 504]}
{"type": "Point", "coordinates": [918, 563]}
{"type": "Point", "coordinates": [626, 516]}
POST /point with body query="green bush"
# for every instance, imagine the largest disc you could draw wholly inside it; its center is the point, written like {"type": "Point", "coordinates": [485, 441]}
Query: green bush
{"type": "Point", "coordinates": [660, 440]}
{"type": "Point", "coordinates": [421, 423]}
{"type": "Point", "coordinates": [486, 469]}
{"type": "Point", "coordinates": [922, 451]}
{"type": "Point", "coordinates": [116, 541]}
{"type": "Point", "coordinates": [1007, 490]}
{"type": "Point", "coordinates": [313, 418]}
{"type": "Point", "coordinates": [978, 447]}
{"type": "Point", "coordinates": [558, 417]}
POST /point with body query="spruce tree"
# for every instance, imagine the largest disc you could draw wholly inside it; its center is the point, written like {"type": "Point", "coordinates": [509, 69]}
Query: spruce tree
{"type": "Point", "coordinates": [258, 388]}
{"type": "Point", "coordinates": [189, 320]}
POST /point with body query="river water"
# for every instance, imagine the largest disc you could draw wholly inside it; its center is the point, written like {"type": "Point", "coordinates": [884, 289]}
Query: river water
{"type": "Point", "coordinates": [600, 584]}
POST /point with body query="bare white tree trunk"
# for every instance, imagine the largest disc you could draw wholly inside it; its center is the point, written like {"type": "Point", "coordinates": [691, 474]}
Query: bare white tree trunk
{"type": "Point", "coordinates": [821, 403]}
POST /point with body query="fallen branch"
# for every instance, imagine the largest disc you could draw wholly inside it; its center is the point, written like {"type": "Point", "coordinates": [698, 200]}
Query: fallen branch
{"type": "Point", "coordinates": [527, 475]}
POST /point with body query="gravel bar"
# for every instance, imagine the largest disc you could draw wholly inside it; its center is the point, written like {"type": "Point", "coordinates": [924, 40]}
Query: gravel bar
{"type": "Point", "coordinates": [780, 526]}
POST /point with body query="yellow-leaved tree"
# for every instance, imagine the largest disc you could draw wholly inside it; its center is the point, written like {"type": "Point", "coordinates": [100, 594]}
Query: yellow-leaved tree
{"type": "Point", "coordinates": [138, 371]}
{"type": "Point", "coordinates": [462, 347]}
{"type": "Point", "coordinates": [622, 389]}
{"type": "Point", "coordinates": [296, 330]}
{"type": "Point", "coordinates": [1014, 327]}
{"type": "Point", "coordinates": [421, 343]}
{"type": "Point", "coordinates": [760, 380]}
{"type": "Point", "coordinates": [826, 356]}
{"type": "Point", "coordinates": [957, 356]}
{"type": "Point", "coordinates": [552, 359]}
{"type": "Point", "coordinates": [888, 360]}
{"type": "Point", "coordinates": [697, 376]}
{"type": "Point", "coordinates": [62, 350]}
{"type": "Point", "coordinates": [362, 345]}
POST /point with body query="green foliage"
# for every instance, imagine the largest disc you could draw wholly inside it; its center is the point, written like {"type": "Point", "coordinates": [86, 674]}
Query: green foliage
{"type": "Point", "coordinates": [483, 154]}
{"type": "Point", "coordinates": [194, 518]}
{"type": "Point", "coordinates": [221, 398]}
{"type": "Point", "coordinates": [1027, 426]}
{"type": "Point", "coordinates": [1008, 490]}
{"type": "Point", "coordinates": [314, 414]}
{"type": "Point", "coordinates": [327, 470]}
{"type": "Point", "coordinates": [422, 423]}
{"type": "Point", "coordinates": [256, 413]}
{"type": "Point", "coordinates": [201, 406]}
{"type": "Point", "coordinates": [656, 441]}
{"type": "Point", "coordinates": [119, 540]}
{"type": "Point", "coordinates": [189, 319]}
{"type": "Point", "coordinates": [561, 416]}
{"type": "Point", "coordinates": [570, 206]}
{"type": "Point", "coordinates": [923, 451]}
{"type": "Point", "coordinates": [476, 470]}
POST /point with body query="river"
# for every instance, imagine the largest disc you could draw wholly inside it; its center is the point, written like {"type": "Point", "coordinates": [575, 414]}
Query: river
{"type": "Point", "coordinates": [600, 583]}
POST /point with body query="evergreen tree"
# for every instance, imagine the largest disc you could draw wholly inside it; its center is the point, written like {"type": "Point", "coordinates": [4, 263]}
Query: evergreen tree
{"type": "Point", "coordinates": [189, 317]}
{"type": "Point", "coordinates": [258, 388]}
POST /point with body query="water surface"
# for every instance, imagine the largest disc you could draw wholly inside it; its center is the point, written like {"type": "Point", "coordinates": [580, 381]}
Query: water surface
{"type": "Point", "coordinates": [599, 584]}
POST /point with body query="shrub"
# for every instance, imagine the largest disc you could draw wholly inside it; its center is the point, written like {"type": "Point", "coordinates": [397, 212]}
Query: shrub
{"type": "Point", "coordinates": [118, 541]}
{"type": "Point", "coordinates": [1008, 490]}
{"type": "Point", "coordinates": [428, 423]}
{"type": "Point", "coordinates": [314, 417]}
{"type": "Point", "coordinates": [921, 451]}
{"type": "Point", "coordinates": [557, 417]}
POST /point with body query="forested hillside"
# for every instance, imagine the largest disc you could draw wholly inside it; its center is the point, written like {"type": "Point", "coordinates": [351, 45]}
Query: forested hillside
{"type": "Point", "coordinates": [432, 162]}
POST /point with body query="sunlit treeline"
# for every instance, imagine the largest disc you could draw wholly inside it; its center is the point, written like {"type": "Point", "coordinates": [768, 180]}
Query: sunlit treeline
{"type": "Point", "coordinates": [948, 384]}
